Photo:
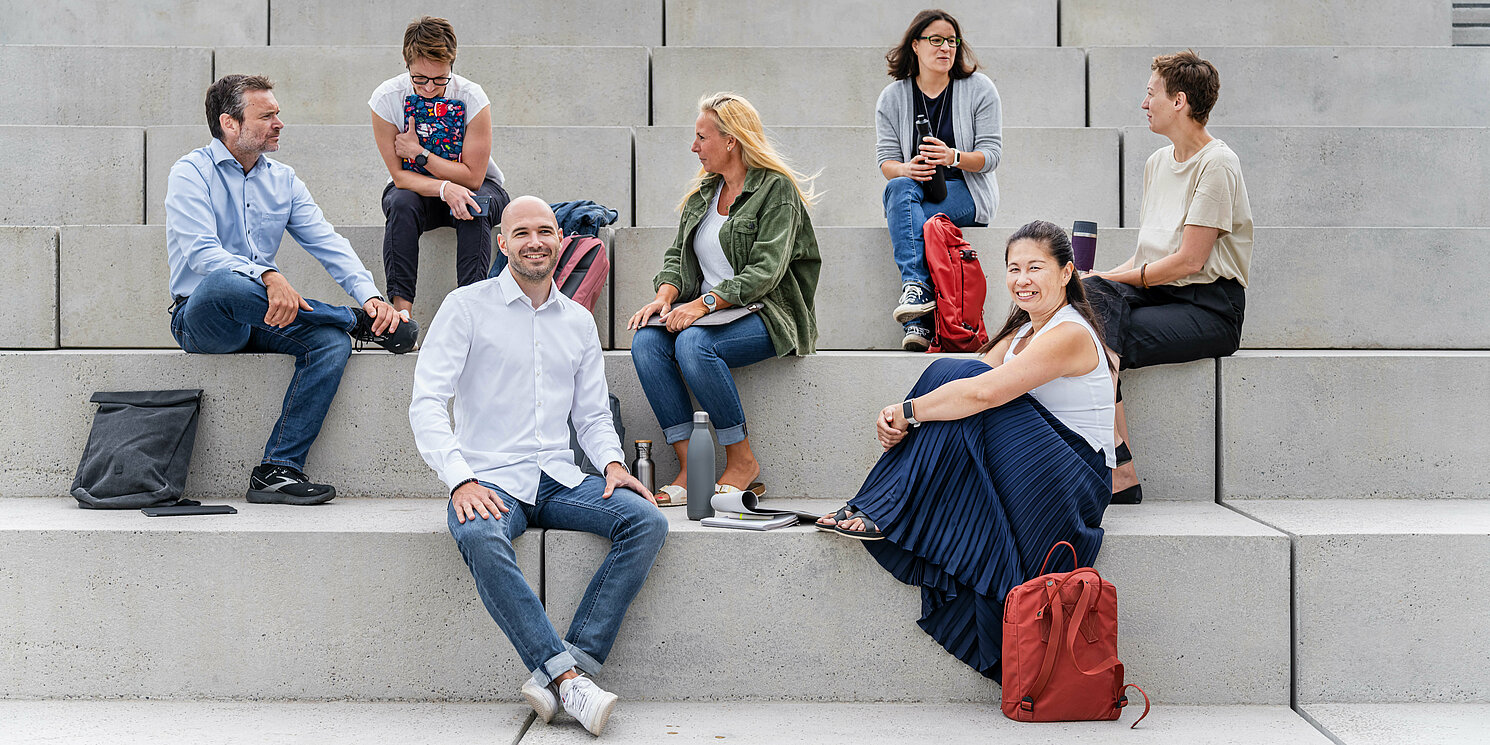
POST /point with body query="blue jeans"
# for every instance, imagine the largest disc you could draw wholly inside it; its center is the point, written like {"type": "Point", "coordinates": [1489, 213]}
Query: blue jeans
{"type": "Point", "coordinates": [907, 214]}
{"type": "Point", "coordinates": [636, 530]}
{"type": "Point", "coordinates": [702, 356]}
{"type": "Point", "coordinates": [225, 314]}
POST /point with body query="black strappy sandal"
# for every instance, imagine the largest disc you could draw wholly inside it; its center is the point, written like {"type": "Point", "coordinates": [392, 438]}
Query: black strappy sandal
{"type": "Point", "coordinates": [838, 517]}
{"type": "Point", "coordinates": [871, 532]}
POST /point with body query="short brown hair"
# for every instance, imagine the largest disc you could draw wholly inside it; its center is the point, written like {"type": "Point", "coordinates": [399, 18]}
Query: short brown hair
{"type": "Point", "coordinates": [902, 59]}
{"type": "Point", "coordinates": [1185, 72]}
{"type": "Point", "coordinates": [431, 38]}
{"type": "Point", "coordinates": [226, 97]}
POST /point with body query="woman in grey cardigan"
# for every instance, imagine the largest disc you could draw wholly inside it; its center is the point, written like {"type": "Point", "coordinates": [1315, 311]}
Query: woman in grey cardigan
{"type": "Point", "coordinates": [936, 77]}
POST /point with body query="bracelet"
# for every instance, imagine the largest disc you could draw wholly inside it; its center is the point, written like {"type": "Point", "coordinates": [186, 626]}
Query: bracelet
{"type": "Point", "coordinates": [1142, 280]}
{"type": "Point", "coordinates": [443, 184]}
{"type": "Point", "coordinates": [956, 158]}
{"type": "Point", "coordinates": [471, 480]}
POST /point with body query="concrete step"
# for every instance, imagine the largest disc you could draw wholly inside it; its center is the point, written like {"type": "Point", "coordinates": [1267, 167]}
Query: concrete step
{"type": "Point", "coordinates": [340, 165]}
{"type": "Point", "coordinates": [1409, 86]}
{"type": "Point", "coordinates": [1472, 36]}
{"type": "Point", "coordinates": [1038, 87]}
{"type": "Point", "coordinates": [89, 85]}
{"type": "Point", "coordinates": [28, 276]}
{"type": "Point", "coordinates": [1254, 23]}
{"type": "Point", "coordinates": [376, 604]}
{"type": "Point", "coordinates": [811, 436]}
{"type": "Point", "coordinates": [852, 23]}
{"type": "Point", "coordinates": [1402, 574]}
{"type": "Point", "coordinates": [1033, 173]}
{"type": "Point", "coordinates": [601, 85]}
{"type": "Point", "coordinates": [1343, 425]}
{"type": "Point", "coordinates": [1401, 724]}
{"type": "Point", "coordinates": [162, 22]}
{"type": "Point", "coordinates": [1345, 176]}
{"type": "Point", "coordinates": [96, 178]}
{"type": "Point", "coordinates": [577, 22]}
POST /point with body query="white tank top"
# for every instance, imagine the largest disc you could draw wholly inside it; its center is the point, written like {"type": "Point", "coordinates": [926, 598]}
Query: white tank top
{"type": "Point", "coordinates": [1083, 403]}
{"type": "Point", "coordinates": [708, 248]}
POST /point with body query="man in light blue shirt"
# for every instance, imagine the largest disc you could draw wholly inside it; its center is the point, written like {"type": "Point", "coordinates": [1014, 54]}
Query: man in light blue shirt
{"type": "Point", "coordinates": [227, 208]}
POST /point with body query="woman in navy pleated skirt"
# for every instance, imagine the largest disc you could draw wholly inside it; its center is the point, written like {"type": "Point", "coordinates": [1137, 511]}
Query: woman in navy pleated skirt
{"type": "Point", "coordinates": [991, 461]}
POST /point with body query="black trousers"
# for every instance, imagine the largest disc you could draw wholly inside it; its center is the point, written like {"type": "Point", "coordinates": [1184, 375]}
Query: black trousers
{"type": "Point", "coordinates": [411, 215]}
{"type": "Point", "coordinates": [1165, 324]}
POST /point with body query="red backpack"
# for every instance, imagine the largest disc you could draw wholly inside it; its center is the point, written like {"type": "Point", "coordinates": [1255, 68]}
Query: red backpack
{"type": "Point", "coordinates": [583, 269]}
{"type": "Point", "coordinates": [1060, 648]}
{"type": "Point", "coordinates": [957, 278]}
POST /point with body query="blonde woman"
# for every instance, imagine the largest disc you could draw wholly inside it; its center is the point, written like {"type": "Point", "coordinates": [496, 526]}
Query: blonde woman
{"type": "Point", "coordinates": [745, 237]}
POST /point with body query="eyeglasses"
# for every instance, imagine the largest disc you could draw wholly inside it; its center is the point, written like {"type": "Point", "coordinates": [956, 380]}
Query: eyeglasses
{"type": "Point", "coordinates": [421, 80]}
{"type": "Point", "coordinates": [938, 41]}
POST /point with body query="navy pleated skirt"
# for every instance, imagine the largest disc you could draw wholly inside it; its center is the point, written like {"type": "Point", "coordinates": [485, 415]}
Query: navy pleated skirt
{"type": "Point", "coordinates": [969, 509]}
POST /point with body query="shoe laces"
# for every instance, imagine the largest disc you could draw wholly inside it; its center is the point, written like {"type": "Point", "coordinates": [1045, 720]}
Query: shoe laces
{"type": "Point", "coordinates": [581, 691]}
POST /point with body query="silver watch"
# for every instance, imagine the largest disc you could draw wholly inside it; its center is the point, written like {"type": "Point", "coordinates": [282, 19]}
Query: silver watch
{"type": "Point", "coordinates": [709, 301]}
{"type": "Point", "coordinates": [910, 412]}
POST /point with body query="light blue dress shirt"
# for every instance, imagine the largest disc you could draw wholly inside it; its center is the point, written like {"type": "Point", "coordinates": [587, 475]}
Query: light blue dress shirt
{"type": "Point", "coordinates": [218, 217]}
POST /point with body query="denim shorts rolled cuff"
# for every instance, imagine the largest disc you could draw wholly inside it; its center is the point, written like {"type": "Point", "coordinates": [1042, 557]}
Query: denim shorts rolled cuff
{"type": "Point", "coordinates": [557, 665]}
{"type": "Point", "coordinates": [587, 664]}
{"type": "Point", "coordinates": [677, 432]}
{"type": "Point", "coordinates": [731, 435]}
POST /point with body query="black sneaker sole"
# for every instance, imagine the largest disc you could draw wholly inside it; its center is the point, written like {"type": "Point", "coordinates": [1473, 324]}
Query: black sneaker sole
{"type": "Point", "coordinates": [908, 313]}
{"type": "Point", "coordinates": [258, 496]}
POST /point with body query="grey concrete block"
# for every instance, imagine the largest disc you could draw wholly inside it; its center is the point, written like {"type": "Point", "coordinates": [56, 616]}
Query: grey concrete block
{"type": "Point", "coordinates": [1401, 724]}
{"type": "Point", "coordinates": [1002, 23]}
{"type": "Point", "coordinates": [358, 599]}
{"type": "Point", "coordinates": [1343, 176]}
{"type": "Point", "coordinates": [1087, 23]}
{"type": "Point", "coordinates": [96, 176]}
{"type": "Point", "coordinates": [583, 23]}
{"type": "Point", "coordinates": [108, 314]}
{"type": "Point", "coordinates": [1031, 173]}
{"type": "Point", "coordinates": [341, 167]}
{"type": "Point", "coordinates": [1397, 574]}
{"type": "Point", "coordinates": [1293, 86]}
{"type": "Point", "coordinates": [692, 634]}
{"type": "Point", "coordinates": [1472, 36]}
{"type": "Point", "coordinates": [105, 85]}
{"type": "Point", "coordinates": [1354, 425]}
{"type": "Point", "coordinates": [28, 281]}
{"type": "Point", "coordinates": [1037, 87]}
{"type": "Point", "coordinates": [162, 22]}
{"type": "Point", "coordinates": [600, 85]}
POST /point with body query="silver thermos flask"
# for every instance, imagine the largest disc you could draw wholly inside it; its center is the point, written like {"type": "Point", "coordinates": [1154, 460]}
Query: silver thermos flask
{"type": "Point", "coordinates": [700, 468]}
{"type": "Point", "coordinates": [643, 467]}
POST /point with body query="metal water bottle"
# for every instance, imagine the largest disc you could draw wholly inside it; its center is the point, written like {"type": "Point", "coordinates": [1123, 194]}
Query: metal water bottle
{"type": "Point", "coordinates": [700, 468]}
{"type": "Point", "coordinates": [643, 468]}
{"type": "Point", "coordinates": [935, 189]}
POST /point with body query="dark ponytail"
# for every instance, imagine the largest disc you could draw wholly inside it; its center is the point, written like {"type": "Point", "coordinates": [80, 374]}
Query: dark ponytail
{"type": "Point", "coordinates": [1058, 244]}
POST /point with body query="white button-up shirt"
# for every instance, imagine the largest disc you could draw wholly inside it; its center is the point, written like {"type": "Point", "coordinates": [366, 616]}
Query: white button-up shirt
{"type": "Point", "coordinates": [518, 374]}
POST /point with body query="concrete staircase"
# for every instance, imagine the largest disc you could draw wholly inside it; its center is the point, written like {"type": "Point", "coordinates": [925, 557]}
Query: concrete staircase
{"type": "Point", "coordinates": [1304, 570]}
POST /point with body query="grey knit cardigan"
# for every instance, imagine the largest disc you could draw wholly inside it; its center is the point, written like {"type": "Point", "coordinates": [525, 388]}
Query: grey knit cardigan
{"type": "Point", "coordinates": [977, 124]}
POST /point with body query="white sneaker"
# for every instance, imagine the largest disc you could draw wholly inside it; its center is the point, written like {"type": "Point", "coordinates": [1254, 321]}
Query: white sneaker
{"type": "Point", "coordinates": [587, 702]}
{"type": "Point", "coordinates": [542, 699]}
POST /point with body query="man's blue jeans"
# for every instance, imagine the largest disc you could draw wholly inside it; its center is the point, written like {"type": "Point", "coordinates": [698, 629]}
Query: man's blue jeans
{"type": "Point", "coordinates": [636, 529]}
{"type": "Point", "coordinates": [702, 356]}
{"type": "Point", "coordinates": [907, 213]}
{"type": "Point", "coordinates": [225, 314]}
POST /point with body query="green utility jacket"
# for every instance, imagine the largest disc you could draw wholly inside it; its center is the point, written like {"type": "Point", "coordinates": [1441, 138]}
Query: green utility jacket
{"type": "Point", "coordinates": [768, 239]}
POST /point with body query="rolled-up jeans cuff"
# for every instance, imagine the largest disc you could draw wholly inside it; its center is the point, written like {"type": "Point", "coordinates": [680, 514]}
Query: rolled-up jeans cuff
{"type": "Point", "coordinates": [731, 435]}
{"type": "Point", "coordinates": [589, 665]}
{"type": "Point", "coordinates": [677, 432]}
{"type": "Point", "coordinates": [557, 665]}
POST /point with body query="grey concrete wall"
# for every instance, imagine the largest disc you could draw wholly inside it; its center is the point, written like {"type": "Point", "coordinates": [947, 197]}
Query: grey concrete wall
{"type": "Point", "coordinates": [96, 177]}
{"type": "Point", "coordinates": [104, 85]}
{"type": "Point", "coordinates": [1400, 575]}
{"type": "Point", "coordinates": [711, 585]}
{"type": "Point", "coordinates": [96, 313]}
{"type": "Point", "coordinates": [1006, 23]}
{"type": "Point", "coordinates": [28, 281]}
{"type": "Point", "coordinates": [1037, 87]}
{"type": "Point", "coordinates": [1355, 424]}
{"type": "Point", "coordinates": [1293, 86]}
{"type": "Point", "coordinates": [583, 22]}
{"type": "Point", "coordinates": [1379, 176]}
{"type": "Point", "coordinates": [599, 86]}
{"type": "Point", "coordinates": [1034, 173]}
{"type": "Point", "coordinates": [357, 599]}
{"type": "Point", "coordinates": [341, 167]}
{"type": "Point", "coordinates": [163, 22]}
{"type": "Point", "coordinates": [1255, 22]}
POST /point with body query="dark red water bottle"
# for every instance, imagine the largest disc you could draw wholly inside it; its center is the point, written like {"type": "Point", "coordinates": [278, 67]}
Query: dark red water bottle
{"type": "Point", "coordinates": [935, 190]}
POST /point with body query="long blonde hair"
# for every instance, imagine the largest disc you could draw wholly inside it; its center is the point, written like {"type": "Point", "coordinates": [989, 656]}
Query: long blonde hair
{"type": "Point", "coordinates": [735, 117]}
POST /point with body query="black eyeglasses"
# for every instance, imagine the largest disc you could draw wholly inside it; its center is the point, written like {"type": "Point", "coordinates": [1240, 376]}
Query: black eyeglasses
{"type": "Point", "coordinates": [421, 80]}
{"type": "Point", "coordinates": [938, 41]}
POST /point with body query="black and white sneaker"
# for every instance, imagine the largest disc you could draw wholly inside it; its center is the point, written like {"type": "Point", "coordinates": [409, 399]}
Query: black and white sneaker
{"type": "Point", "coordinates": [273, 484]}
{"type": "Point", "coordinates": [400, 341]}
{"type": "Point", "coordinates": [918, 336]}
{"type": "Point", "coordinates": [916, 300]}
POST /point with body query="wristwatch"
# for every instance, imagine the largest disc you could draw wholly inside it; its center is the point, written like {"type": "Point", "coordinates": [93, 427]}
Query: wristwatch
{"type": "Point", "coordinates": [709, 301]}
{"type": "Point", "coordinates": [910, 412]}
{"type": "Point", "coordinates": [422, 158]}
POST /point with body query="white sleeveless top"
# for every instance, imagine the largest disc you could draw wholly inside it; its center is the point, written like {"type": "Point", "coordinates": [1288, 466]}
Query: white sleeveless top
{"type": "Point", "coordinates": [1083, 403]}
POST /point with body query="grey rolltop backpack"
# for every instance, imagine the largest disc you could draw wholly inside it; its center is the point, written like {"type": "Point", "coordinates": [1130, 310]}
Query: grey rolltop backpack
{"type": "Point", "coordinates": [139, 450]}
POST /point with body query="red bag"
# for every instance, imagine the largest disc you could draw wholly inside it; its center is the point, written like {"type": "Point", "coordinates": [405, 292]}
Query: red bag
{"type": "Point", "coordinates": [957, 278]}
{"type": "Point", "coordinates": [583, 269]}
{"type": "Point", "coordinates": [1060, 648]}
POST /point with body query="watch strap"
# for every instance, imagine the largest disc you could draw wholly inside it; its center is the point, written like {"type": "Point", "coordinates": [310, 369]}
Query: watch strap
{"type": "Point", "coordinates": [908, 409]}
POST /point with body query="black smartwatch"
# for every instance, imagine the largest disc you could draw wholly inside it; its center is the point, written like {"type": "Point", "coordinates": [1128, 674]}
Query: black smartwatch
{"type": "Point", "coordinates": [421, 159]}
{"type": "Point", "coordinates": [709, 301]}
{"type": "Point", "coordinates": [910, 413]}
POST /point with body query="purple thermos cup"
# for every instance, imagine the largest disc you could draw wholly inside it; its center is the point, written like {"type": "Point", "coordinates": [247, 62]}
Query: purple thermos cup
{"type": "Point", "coordinates": [1084, 244]}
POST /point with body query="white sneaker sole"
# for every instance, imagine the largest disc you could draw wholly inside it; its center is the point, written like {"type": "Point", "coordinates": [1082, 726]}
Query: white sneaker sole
{"type": "Point", "coordinates": [602, 717]}
{"type": "Point", "coordinates": [914, 343]}
{"type": "Point", "coordinates": [907, 313]}
{"type": "Point", "coordinates": [545, 706]}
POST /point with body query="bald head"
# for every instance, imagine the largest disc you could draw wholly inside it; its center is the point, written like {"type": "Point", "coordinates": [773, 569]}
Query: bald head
{"type": "Point", "coordinates": [527, 209]}
{"type": "Point", "coordinates": [530, 238]}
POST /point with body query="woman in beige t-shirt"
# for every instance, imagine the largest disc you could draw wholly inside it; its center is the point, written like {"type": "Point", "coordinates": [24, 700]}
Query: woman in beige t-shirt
{"type": "Point", "coordinates": [1181, 297]}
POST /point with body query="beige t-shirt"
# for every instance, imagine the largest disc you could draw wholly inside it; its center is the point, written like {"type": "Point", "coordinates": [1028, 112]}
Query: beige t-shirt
{"type": "Point", "coordinates": [1206, 190]}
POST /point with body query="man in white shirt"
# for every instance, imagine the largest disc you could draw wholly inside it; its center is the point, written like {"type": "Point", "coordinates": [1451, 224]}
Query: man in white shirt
{"type": "Point", "coordinates": [534, 361]}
